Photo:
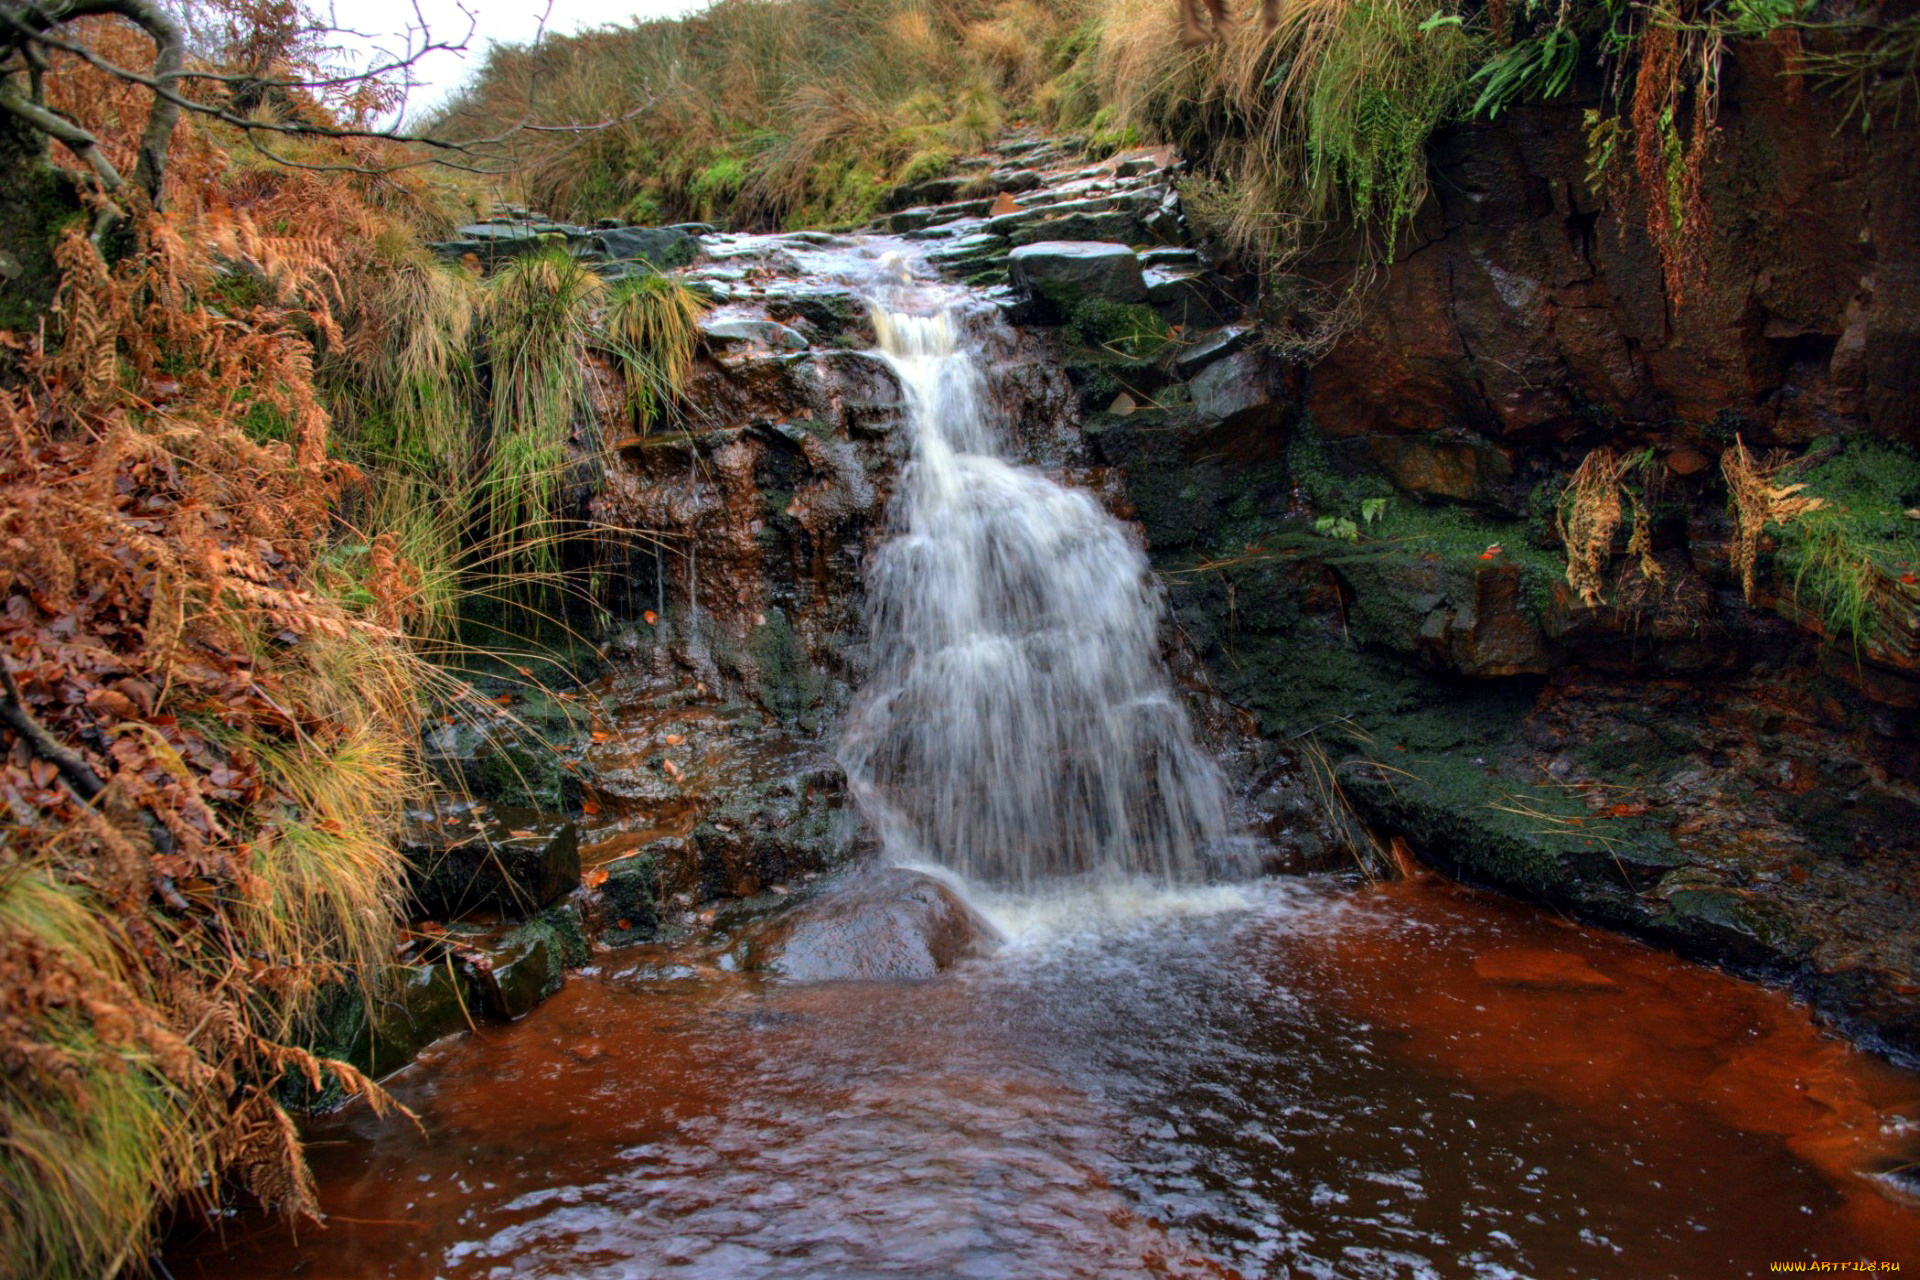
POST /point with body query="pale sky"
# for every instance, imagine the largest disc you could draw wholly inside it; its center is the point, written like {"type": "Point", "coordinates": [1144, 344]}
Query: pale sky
{"type": "Point", "coordinates": [386, 23]}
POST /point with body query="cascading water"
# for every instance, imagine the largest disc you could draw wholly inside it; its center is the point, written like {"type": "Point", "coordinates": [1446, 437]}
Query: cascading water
{"type": "Point", "coordinates": [1018, 723]}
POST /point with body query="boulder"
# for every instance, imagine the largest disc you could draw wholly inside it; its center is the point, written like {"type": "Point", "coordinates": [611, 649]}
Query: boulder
{"type": "Point", "coordinates": [930, 192]}
{"type": "Point", "coordinates": [465, 857]}
{"type": "Point", "coordinates": [1065, 272]}
{"type": "Point", "coordinates": [1235, 391]}
{"type": "Point", "coordinates": [663, 247]}
{"type": "Point", "coordinates": [876, 924]}
{"type": "Point", "coordinates": [631, 894]}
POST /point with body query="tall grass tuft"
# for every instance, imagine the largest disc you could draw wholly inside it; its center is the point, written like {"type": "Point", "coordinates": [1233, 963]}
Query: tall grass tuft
{"type": "Point", "coordinates": [652, 328]}
{"type": "Point", "coordinates": [539, 314]}
{"type": "Point", "coordinates": [1316, 126]}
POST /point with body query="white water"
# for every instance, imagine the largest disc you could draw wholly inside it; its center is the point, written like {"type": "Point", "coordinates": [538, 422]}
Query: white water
{"type": "Point", "coordinates": [1018, 724]}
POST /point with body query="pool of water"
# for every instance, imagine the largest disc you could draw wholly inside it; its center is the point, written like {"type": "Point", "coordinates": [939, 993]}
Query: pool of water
{"type": "Point", "coordinates": [1289, 1079]}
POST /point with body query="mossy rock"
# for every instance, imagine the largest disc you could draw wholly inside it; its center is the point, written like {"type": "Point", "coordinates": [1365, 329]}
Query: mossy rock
{"type": "Point", "coordinates": [630, 900]}
{"type": "Point", "coordinates": [517, 861]}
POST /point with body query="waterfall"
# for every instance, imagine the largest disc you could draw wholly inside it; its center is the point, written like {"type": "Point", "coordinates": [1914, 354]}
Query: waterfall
{"type": "Point", "coordinates": [1018, 723]}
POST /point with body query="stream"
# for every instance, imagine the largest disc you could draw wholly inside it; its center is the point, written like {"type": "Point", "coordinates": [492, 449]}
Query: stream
{"type": "Point", "coordinates": [1167, 1068]}
{"type": "Point", "coordinates": [1285, 1079]}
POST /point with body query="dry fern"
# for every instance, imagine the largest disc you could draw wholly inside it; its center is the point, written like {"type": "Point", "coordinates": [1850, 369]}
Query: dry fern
{"type": "Point", "coordinates": [1589, 513]}
{"type": "Point", "coordinates": [194, 836]}
{"type": "Point", "coordinates": [1757, 502]}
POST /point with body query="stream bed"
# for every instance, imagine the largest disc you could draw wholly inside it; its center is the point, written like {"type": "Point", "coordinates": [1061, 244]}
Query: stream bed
{"type": "Point", "coordinates": [1290, 1078]}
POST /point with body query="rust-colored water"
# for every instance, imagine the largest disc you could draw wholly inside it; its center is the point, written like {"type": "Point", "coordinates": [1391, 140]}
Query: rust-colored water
{"type": "Point", "coordinates": [1410, 1080]}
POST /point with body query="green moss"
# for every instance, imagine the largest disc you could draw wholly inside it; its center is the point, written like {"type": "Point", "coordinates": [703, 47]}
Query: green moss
{"type": "Point", "coordinates": [933, 162]}
{"type": "Point", "coordinates": [716, 185]}
{"type": "Point", "coordinates": [1132, 330]}
{"type": "Point", "coordinates": [1838, 559]}
{"type": "Point", "coordinates": [790, 686]}
{"type": "Point", "coordinates": [1330, 490]}
{"type": "Point", "coordinates": [1462, 534]}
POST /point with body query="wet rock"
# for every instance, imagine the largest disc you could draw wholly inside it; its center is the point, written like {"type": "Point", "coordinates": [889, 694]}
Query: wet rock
{"type": "Point", "coordinates": [510, 973]}
{"type": "Point", "coordinates": [630, 897]}
{"type": "Point", "coordinates": [1236, 392]}
{"type": "Point", "coordinates": [933, 191]}
{"type": "Point", "coordinates": [661, 247]}
{"type": "Point", "coordinates": [1191, 297]}
{"type": "Point", "coordinates": [720, 800]}
{"type": "Point", "coordinates": [1467, 617]}
{"type": "Point", "coordinates": [1065, 273]}
{"type": "Point", "coordinates": [462, 857]}
{"type": "Point", "coordinates": [831, 311]}
{"type": "Point", "coordinates": [876, 924]}
{"type": "Point", "coordinates": [420, 1004]}
{"type": "Point", "coordinates": [1119, 225]}
{"type": "Point", "coordinates": [726, 331]}
{"type": "Point", "coordinates": [1463, 470]}
{"type": "Point", "coordinates": [1170, 256]}
{"type": "Point", "coordinates": [496, 231]}
{"type": "Point", "coordinates": [1211, 346]}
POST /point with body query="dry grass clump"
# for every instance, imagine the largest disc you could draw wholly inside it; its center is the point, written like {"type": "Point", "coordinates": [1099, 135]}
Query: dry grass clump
{"type": "Point", "coordinates": [210, 704]}
{"type": "Point", "coordinates": [768, 112]}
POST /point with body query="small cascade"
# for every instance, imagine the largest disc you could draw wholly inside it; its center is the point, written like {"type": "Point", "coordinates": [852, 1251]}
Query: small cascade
{"type": "Point", "coordinates": [1018, 723]}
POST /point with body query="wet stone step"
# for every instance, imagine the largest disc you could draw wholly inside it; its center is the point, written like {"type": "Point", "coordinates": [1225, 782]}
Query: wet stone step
{"type": "Point", "coordinates": [933, 191]}
{"type": "Point", "coordinates": [925, 216]}
{"type": "Point", "coordinates": [1170, 256]}
{"type": "Point", "coordinates": [967, 249]}
{"type": "Point", "coordinates": [1016, 181]}
{"type": "Point", "coordinates": [1065, 272]}
{"type": "Point", "coordinates": [1118, 226]}
{"type": "Point", "coordinates": [945, 230]}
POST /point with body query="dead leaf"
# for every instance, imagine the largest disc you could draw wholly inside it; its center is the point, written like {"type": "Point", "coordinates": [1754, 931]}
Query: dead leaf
{"type": "Point", "coordinates": [674, 739]}
{"type": "Point", "coordinates": [1003, 204]}
{"type": "Point", "coordinates": [673, 770]}
{"type": "Point", "coordinates": [594, 878]}
{"type": "Point", "coordinates": [600, 735]}
{"type": "Point", "coordinates": [590, 806]}
{"type": "Point", "coordinates": [521, 833]}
